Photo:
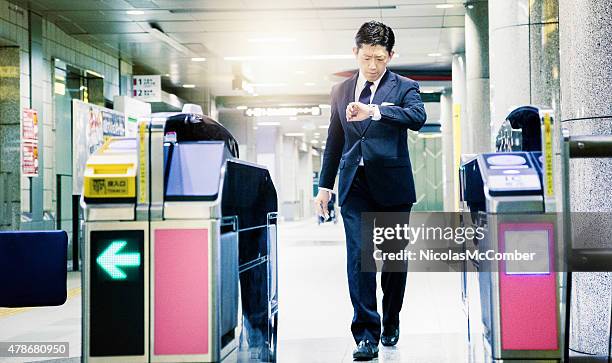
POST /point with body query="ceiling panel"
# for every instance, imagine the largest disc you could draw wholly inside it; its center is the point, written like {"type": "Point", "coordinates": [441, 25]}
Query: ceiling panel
{"type": "Point", "coordinates": [414, 22]}
{"type": "Point", "coordinates": [200, 4]}
{"type": "Point", "coordinates": [63, 5]}
{"type": "Point", "coordinates": [454, 21]}
{"type": "Point", "coordinates": [228, 28]}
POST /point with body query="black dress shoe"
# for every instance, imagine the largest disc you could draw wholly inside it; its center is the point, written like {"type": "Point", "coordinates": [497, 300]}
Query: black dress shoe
{"type": "Point", "coordinates": [390, 336]}
{"type": "Point", "coordinates": [365, 350]}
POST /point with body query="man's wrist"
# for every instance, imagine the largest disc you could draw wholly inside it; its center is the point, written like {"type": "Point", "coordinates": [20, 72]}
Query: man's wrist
{"type": "Point", "coordinates": [374, 112]}
{"type": "Point", "coordinates": [329, 191]}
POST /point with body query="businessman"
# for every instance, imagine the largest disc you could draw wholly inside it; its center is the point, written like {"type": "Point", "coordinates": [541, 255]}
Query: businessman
{"type": "Point", "coordinates": [367, 143]}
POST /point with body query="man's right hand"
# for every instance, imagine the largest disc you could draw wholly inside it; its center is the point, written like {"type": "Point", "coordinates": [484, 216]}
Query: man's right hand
{"type": "Point", "coordinates": [321, 202]}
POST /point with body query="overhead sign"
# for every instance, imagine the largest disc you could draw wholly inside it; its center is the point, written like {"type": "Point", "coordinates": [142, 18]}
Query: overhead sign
{"type": "Point", "coordinates": [283, 111]}
{"type": "Point", "coordinates": [29, 143]}
{"type": "Point", "coordinates": [147, 88]}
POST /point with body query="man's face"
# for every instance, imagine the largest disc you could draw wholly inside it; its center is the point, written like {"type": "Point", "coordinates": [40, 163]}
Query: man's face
{"type": "Point", "coordinates": [372, 60]}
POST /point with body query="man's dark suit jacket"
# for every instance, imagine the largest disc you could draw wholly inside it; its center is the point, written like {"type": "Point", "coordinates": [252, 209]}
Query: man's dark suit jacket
{"type": "Point", "coordinates": [382, 143]}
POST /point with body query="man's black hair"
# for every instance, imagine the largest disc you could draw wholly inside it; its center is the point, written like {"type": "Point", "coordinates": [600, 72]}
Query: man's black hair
{"type": "Point", "coordinates": [375, 33]}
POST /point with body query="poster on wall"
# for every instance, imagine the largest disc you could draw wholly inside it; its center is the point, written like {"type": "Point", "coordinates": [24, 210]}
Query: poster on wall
{"type": "Point", "coordinates": [91, 126]}
{"type": "Point", "coordinates": [29, 143]}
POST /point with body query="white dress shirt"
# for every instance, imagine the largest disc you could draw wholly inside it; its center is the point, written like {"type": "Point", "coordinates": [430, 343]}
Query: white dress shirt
{"type": "Point", "coordinates": [361, 81]}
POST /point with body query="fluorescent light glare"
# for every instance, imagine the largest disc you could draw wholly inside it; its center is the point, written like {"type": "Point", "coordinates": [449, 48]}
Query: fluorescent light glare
{"type": "Point", "coordinates": [445, 6]}
{"type": "Point", "coordinates": [264, 85]}
{"type": "Point", "coordinates": [241, 107]}
{"type": "Point", "coordinates": [324, 106]}
{"type": "Point", "coordinates": [271, 123]}
{"type": "Point", "coordinates": [198, 59]}
{"type": "Point", "coordinates": [324, 126]}
{"type": "Point", "coordinates": [288, 57]}
{"type": "Point", "coordinates": [135, 12]}
{"type": "Point", "coordinates": [309, 84]}
{"type": "Point", "coordinates": [295, 134]}
{"type": "Point", "coordinates": [272, 40]}
{"type": "Point", "coordinates": [189, 86]}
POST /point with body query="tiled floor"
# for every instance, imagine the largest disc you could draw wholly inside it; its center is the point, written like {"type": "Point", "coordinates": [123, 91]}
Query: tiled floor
{"type": "Point", "coordinates": [314, 312]}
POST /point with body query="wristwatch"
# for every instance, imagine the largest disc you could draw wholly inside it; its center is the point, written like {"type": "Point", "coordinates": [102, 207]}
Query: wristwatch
{"type": "Point", "coordinates": [371, 110]}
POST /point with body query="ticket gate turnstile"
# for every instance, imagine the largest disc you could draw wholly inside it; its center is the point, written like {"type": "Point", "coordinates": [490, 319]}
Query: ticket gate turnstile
{"type": "Point", "coordinates": [514, 311]}
{"type": "Point", "coordinates": [162, 278]}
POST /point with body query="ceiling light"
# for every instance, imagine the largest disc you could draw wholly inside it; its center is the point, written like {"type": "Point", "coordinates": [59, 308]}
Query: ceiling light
{"type": "Point", "coordinates": [314, 141]}
{"type": "Point", "coordinates": [134, 12]}
{"type": "Point", "coordinates": [263, 85]}
{"type": "Point", "coordinates": [317, 134]}
{"type": "Point", "coordinates": [445, 6]}
{"type": "Point", "coordinates": [167, 74]}
{"type": "Point", "coordinates": [309, 84]}
{"type": "Point", "coordinates": [198, 59]}
{"type": "Point", "coordinates": [189, 86]}
{"type": "Point", "coordinates": [296, 134]}
{"type": "Point", "coordinates": [272, 40]}
{"type": "Point", "coordinates": [324, 126]}
{"type": "Point", "coordinates": [271, 123]}
{"type": "Point", "coordinates": [242, 107]}
{"type": "Point", "coordinates": [434, 54]}
{"type": "Point", "coordinates": [163, 37]}
{"type": "Point", "coordinates": [289, 57]}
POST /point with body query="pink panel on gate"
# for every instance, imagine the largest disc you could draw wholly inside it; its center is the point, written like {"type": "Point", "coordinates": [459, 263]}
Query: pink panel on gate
{"type": "Point", "coordinates": [181, 291]}
{"type": "Point", "coordinates": [528, 302]}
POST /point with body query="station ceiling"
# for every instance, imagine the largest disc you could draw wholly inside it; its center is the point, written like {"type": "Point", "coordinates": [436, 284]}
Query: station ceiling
{"type": "Point", "coordinates": [283, 47]}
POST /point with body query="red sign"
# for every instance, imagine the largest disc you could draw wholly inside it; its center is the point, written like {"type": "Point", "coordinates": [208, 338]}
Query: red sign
{"type": "Point", "coordinates": [29, 125]}
{"type": "Point", "coordinates": [29, 143]}
{"type": "Point", "coordinates": [29, 158]}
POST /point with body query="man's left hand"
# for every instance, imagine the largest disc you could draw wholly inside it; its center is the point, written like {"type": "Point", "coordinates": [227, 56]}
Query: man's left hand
{"type": "Point", "coordinates": [357, 111]}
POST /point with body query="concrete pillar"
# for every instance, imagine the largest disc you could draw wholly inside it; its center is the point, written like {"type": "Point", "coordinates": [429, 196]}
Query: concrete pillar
{"type": "Point", "coordinates": [448, 164]}
{"type": "Point", "coordinates": [459, 117]}
{"type": "Point", "coordinates": [476, 133]}
{"type": "Point", "coordinates": [524, 56]}
{"type": "Point", "coordinates": [10, 136]}
{"type": "Point", "coordinates": [586, 84]}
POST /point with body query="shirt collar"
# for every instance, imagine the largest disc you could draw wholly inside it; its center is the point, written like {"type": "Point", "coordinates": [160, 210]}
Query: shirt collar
{"type": "Point", "coordinates": [361, 80]}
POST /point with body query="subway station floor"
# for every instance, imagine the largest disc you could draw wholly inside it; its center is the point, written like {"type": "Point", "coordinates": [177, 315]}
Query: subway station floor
{"type": "Point", "coordinates": [314, 308]}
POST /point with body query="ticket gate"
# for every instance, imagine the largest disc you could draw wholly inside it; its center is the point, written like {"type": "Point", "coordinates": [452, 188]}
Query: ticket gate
{"type": "Point", "coordinates": [166, 221]}
{"type": "Point", "coordinates": [515, 309]}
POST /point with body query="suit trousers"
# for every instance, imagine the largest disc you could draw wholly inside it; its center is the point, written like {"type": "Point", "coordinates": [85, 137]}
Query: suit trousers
{"type": "Point", "coordinates": [366, 322]}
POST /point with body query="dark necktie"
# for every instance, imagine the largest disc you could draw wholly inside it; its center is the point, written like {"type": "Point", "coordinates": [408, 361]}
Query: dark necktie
{"type": "Point", "coordinates": [366, 93]}
{"type": "Point", "coordinates": [364, 98]}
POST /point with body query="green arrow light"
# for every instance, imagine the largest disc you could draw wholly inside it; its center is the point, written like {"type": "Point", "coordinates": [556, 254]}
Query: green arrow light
{"type": "Point", "coordinates": [110, 260]}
